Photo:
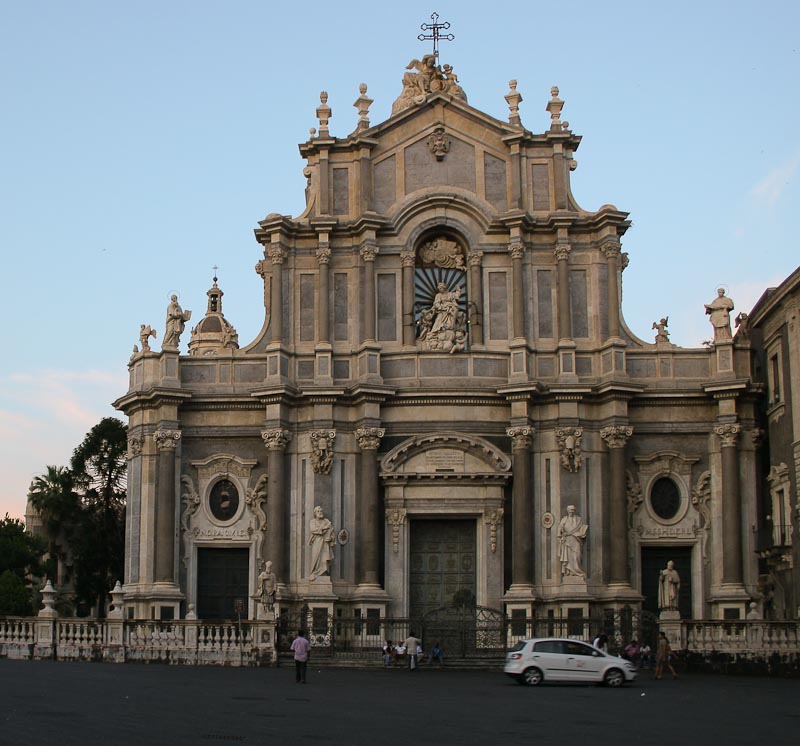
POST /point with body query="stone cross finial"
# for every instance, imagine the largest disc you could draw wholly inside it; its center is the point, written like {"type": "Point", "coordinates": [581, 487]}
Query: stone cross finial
{"type": "Point", "coordinates": [436, 34]}
{"type": "Point", "coordinates": [323, 114]}
{"type": "Point", "coordinates": [554, 106]}
{"type": "Point", "coordinates": [514, 99]}
{"type": "Point", "coordinates": [362, 103]}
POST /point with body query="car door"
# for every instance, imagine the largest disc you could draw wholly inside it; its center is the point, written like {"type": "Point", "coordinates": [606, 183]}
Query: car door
{"type": "Point", "coordinates": [583, 662]}
{"type": "Point", "coordinates": [550, 657]}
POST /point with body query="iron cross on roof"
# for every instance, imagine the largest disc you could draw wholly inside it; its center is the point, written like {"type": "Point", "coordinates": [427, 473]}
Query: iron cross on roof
{"type": "Point", "coordinates": [436, 32]}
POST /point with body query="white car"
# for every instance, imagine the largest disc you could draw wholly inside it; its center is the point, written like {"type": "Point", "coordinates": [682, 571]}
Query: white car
{"type": "Point", "coordinates": [555, 659]}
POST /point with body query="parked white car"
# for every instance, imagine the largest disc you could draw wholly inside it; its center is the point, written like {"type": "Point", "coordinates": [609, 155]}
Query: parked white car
{"type": "Point", "coordinates": [555, 659]}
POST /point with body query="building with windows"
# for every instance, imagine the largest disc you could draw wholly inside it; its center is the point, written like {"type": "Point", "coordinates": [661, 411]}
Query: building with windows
{"type": "Point", "coordinates": [444, 404]}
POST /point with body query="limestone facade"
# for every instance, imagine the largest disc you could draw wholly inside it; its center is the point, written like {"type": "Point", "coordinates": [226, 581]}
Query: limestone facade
{"type": "Point", "coordinates": [447, 318]}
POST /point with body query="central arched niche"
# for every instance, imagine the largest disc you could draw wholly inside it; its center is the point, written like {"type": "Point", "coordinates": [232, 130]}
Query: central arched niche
{"type": "Point", "coordinates": [445, 455]}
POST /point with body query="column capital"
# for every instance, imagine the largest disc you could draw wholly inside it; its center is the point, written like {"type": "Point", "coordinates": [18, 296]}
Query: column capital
{"type": "Point", "coordinates": [369, 438]}
{"type": "Point", "coordinates": [276, 440]}
{"type": "Point", "coordinates": [611, 249]}
{"type": "Point", "coordinates": [521, 437]}
{"type": "Point", "coordinates": [368, 251]}
{"type": "Point", "coordinates": [166, 440]}
{"type": "Point", "coordinates": [616, 436]}
{"type": "Point", "coordinates": [474, 258]}
{"type": "Point", "coordinates": [407, 258]}
{"type": "Point", "coordinates": [323, 254]}
{"type": "Point", "coordinates": [276, 253]}
{"type": "Point", "coordinates": [562, 251]}
{"type": "Point", "coordinates": [263, 268]}
{"type": "Point", "coordinates": [728, 434]}
{"type": "Point", "coordinates": [517, 249]}
{"type": "Point", "coordinates": [134, 447]}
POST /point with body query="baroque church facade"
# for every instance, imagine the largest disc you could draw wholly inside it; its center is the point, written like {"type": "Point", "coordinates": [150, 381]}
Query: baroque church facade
{"type": "Point", "coordinates": [444, 403]}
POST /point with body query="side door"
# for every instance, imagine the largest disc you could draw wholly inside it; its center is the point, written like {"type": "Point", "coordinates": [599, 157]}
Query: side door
{"type": "Point", "coordinates": [584, 662]}
{"type": "Point", "coordinates": [550, 657]}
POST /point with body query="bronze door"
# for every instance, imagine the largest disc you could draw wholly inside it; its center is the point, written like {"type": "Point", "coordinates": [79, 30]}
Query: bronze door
{"type": "Point", "coordinates": [222, 576]}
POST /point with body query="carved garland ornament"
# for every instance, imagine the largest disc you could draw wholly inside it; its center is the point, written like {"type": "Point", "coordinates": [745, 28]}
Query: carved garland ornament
{"type": "Point", "coordinates": [701, 500]}
{"type": "Point", "coordinates": [134, 447]}
{"type": "Point", "coordinates": [569, 441]}
{"type": "Point", "coordinates": [396, 518]}
{"type": "Point", "coordinates": [493, 518]}
{"type": "Point", "coordinates": [322, 450]}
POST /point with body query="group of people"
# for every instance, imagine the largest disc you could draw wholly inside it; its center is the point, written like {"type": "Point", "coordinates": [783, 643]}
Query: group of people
{"type": "Point", "coordinates": [411, 651]}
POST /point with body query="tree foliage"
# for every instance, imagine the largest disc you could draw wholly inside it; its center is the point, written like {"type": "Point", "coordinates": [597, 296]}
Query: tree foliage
{"type": "Point", "coordinates": [83, 507]}
{"type": "Point", "coordinates": [20, 555]}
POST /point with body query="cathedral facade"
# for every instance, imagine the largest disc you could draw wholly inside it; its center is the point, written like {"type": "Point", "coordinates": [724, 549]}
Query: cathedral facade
{"type": "Point", "coordinates": [444, 404]}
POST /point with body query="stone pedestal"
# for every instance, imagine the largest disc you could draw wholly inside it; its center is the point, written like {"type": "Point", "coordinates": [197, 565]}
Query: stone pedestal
{"type": "Point", "coordinates": [669, 622]}
{"type": "Point", "coordinates": [264, 637]}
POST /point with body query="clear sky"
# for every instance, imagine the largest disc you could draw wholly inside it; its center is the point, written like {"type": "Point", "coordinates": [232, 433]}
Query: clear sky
{"type": "Point", "coordinates": [141, 142]}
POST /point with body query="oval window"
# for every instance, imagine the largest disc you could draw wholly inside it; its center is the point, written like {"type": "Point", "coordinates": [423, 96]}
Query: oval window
{"type": "Point", "coordinates": [224, 500]}
{"type": "Point", "coordinates": [665, 498]}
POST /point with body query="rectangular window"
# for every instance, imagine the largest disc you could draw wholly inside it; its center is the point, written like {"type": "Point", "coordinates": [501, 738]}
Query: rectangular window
{"type": "Point", "coordinates": [307, 308]}
{"type": "Point", "coordinates": [498, 306]}
{"type": "Point", "coordinates": [775, 379]}
{"type": "Point", "coordinates": [387, 308]}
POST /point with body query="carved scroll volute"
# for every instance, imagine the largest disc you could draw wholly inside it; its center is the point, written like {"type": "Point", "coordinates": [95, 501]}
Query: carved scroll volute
{"type": "Point", "coordinates": [396, 517]}
{"type": "Point", "coordinates": [493, 518]}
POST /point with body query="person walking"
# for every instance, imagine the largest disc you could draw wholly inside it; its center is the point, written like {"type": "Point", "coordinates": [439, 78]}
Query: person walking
{"type": "Point", "coordinates": [411, 644]}
{"type": "Point", "coordinates": [301, 648]}
{"type": "Point", "coordinates": [663, 655]}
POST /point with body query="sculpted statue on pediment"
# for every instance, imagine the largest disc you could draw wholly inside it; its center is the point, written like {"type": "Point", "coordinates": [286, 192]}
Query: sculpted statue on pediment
{"type": "Point", "coordinates": [428, 78]}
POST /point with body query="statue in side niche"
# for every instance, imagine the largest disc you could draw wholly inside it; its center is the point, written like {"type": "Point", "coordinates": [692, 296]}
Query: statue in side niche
{"type": "Point", "coordinates": [720, 312]}
{"type": "Point", "coordinates": [176, 323]}
{"type": "Point", "coordinates": [571, 535]}
{"type": "Point", "coordinates": [321, 540]}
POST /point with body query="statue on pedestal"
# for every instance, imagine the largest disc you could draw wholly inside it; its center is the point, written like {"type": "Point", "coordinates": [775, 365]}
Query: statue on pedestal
{"type": "Point", "coordinates": [321, 540]}
{"type": "Point", "coordinates": [266, 586]}
{"type": "Point", "coordinates": [669, 584]}
{"type": "Point", "coordinates": [720, 312]}
{"type": "Point", "coordinates": [176, 323]}
{"type": "Point", "coordinates": [571, 535]}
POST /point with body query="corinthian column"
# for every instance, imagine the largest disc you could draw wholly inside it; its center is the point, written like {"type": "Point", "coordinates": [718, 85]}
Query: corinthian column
{"type": "Point", "coordinates": [407, 260]}
{"type": "Point", "coordinates": [276, 442]}
{"type": "Point", "coordinates": [323, 258]}
{"type": "Point", "coordinates": [616, 506]}
{"type": "Point", "coordinates": [166, 444]}
{"type": "Point", "coordinates": [731, 505]}
{"type": "Point", "coordinates": [517, 251]}
{"type": "Point", "coordinates": [521, 510]}
{"type": "Point", "coordinates": [277, 255]}
{"type": "Point", "coordinates": [368, 252]}
{"type": "Point", "coordinates": [368, 521]}
{"type": "Point", "coordinates": [611, 251]}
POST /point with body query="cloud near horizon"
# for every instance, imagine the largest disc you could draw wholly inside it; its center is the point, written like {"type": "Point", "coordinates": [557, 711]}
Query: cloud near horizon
{"type": "Point", "coordinates": [771, 188]}
{"type": "Point", "coordinates": [44, 416]}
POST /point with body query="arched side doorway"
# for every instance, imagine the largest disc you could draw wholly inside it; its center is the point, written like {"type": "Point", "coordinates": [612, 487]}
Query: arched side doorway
{"type": "Point", "coordinates": [444, 496]}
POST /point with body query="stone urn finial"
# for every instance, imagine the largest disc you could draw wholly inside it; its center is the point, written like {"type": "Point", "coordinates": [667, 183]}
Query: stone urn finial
{"type": "Point", "coordinates": [116, 602]}
{"type": "Point", "coordinates": [48, 600]}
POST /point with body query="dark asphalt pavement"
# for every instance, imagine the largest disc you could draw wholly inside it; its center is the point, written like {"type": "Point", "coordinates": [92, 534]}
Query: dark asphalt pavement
{"type": "Point", "coordinates": [45, 703]}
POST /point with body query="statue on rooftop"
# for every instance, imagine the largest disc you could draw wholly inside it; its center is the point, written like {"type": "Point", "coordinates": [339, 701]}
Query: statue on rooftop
{"type": "Point", "coordinates": [720, 312]}
{"type": "Point", "coordinates": [428, 78]}
{"type": "Point", "coordinates": [176, 323]}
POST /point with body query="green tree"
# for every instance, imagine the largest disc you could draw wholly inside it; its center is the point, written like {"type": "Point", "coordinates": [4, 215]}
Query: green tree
{"type": "Point", "coordinates": [20, 555]}
{"type": "Point", "coordinates": [99, 470]}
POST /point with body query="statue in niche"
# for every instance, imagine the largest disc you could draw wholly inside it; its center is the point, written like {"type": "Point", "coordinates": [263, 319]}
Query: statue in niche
{"type": "Point", "coordinates": [321, 540]}
{"type": "Point", "coordinates": [322, 451]}
{"type": "Point", "coordinates": [669, 584]}
{"type": "Point", "coordinates": [176, 323]}
{"type": "Point", "coordinates": [720, 312]}
{"type": "Point", "coordinates": [571, 535]}
{"type": "Point", "coordinates": [662, 333]}
{"type": "Point", "coordinates": [266, 585]}
{"type": "Point", "coordinates": [145, 332]}
{"type": "Point", "coordinates": [443, 326]}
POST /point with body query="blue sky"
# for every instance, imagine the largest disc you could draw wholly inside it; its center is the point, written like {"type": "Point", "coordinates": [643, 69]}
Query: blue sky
{"type": "Point", "coordinates": [141, 143]}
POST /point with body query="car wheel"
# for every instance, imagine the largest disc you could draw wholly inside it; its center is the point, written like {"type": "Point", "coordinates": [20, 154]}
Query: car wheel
{"type": "Point", "coordinates": [614, 677]}
{"type": "Point", "coordinates": [532, 677]}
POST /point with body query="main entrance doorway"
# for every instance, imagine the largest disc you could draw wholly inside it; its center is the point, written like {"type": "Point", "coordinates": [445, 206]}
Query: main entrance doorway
{"type": "Point", "coordinates": [222, 576]}
{"type": "Point", "coordinates": [442, 564]}
{"type": "Point", "coordinates": [654, 559]}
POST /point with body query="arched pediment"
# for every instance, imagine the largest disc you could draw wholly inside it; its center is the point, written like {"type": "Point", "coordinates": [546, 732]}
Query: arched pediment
{"type": "Point", "coordinates": [445, 454]}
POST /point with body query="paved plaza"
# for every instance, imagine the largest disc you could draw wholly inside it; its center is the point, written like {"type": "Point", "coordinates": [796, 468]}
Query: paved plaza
{"type": "Point", "coordinates": [46, 703]}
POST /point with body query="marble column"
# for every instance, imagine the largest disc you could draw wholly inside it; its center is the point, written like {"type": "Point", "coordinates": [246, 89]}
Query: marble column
{"type": "Point", "coordinates": [276, 442]}
{"type": "Point", "coordinates": [368, 252]}
{"type": "Point", "coordinates": [323, 319]}
{"type": "Point", "coordinates": [616, 506]}
{"type": "Point", "coordinates": [562, 252]}
{"type": "Point", "coordinates": [166, 444]}
{"type": "Point", "coordinates": [521, 506]}
{"type": "Point", "coordinates": [407, 260]}
{"type": "Point", "coordinates": [611, 251]}
{"type": "Point", "coordinates": [517, 251]}
{"type": "Point", "coordinates": [475, 298]}
{"type": "Point", "coordinates": [277, 255]}
{"type": "Point", "coordinates": [368, 525]}
{"type": "Point", "coordinates": [731, 505]}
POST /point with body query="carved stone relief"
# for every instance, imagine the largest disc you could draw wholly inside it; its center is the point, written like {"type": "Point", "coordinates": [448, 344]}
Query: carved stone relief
{"type": "Point", "coordinates": [569, 442]}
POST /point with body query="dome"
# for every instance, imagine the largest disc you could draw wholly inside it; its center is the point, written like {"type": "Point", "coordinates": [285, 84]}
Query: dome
{"type": "Point", "coordinates": [213, 333]}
